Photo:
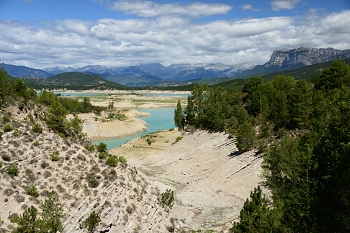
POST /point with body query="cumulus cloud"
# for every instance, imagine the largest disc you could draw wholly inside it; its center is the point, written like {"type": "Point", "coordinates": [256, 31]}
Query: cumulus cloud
{"type": "Point", "coordinates": [250, 7]}
{"type": "Point", "coordinates": [166, 39]}
{"type": "Point", "coordinates": [284, 4]}
{"type": "Point", "coordinates": [152, 9]}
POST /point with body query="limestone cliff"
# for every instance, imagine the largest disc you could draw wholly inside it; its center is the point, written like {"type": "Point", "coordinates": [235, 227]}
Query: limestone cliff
{"type": "Point", "coordinates": [305, 56]}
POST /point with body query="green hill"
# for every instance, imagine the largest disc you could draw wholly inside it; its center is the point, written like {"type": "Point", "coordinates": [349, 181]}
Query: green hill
{"type": "Point", "coordinates": [73, 81]}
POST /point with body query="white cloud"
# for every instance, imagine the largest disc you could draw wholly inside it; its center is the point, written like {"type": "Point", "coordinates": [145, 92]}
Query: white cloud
{"type": "Point", "coordinates": [151, 9]}
{"type": "Point", "coordinates": [166, 39]}
{"type": "Point", "coordinates": [250, 7]}
{"type": "Point", "coordinates": [284, 4]}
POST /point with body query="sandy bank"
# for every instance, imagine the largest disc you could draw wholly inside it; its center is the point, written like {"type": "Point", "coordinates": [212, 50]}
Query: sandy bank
{"type": "Point", "coordinates": [101, 127]}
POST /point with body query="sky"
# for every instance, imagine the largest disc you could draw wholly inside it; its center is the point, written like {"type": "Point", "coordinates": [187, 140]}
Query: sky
{"type": "Point", "coordinates": [113, 33]}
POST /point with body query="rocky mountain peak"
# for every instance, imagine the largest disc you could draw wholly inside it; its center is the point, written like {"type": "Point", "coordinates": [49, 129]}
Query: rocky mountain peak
{"type": "Point", "coordinates": [305, 56]}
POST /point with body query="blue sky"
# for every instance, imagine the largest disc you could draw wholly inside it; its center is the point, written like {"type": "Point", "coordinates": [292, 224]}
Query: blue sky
{"type": "Point", "coordinates": [43, 33]}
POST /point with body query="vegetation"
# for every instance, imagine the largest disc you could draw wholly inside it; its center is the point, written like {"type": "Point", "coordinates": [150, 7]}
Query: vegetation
{"type": "Point", "coordinates": [37, 128]}
{"type": "Point", "coordinates": [7, 128]}
{"type": "Point", "coordinates": [50, 221]}
{"type": "Point", "coordinates": [54, 156]}
{"type": "Point", "coordinates": [12, 170]}
{"type": "Point", "coordinates": [257, 215]}
{"type": "Point", "coordinates": [74, 81]}
{"type": "Point", "coordinates": [32, 191]}
{"type": "Point", "coordinates": [166, 199]}
{"type": "Point", "coordinates": [303, 128]}
{"type": "Point", "coordinates": [112, 161]}
{"type": "Point", "coordinates": [102, 147]}
{"type": "Point", "coordinates": [92, 221]}
{"type": "Point", "coordinates": [179, 117]}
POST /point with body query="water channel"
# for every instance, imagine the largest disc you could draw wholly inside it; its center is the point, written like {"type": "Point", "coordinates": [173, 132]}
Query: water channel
{"type": "Point", "coordinates": [160, 118]}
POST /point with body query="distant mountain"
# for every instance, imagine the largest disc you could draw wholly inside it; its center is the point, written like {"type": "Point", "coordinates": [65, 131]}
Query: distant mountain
{"type": "Point", "coordinates": [73, 81]}
{"type": "Point", "coordinates": [155, 73]}
{"type": "Point", "coordinates": [289, 59]}
{"type": "Point", "coordinates": [23, 71]}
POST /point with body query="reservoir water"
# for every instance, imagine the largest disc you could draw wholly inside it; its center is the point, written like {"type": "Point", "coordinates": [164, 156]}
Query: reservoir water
{"type": "Point", "coordinates": [160, 119]}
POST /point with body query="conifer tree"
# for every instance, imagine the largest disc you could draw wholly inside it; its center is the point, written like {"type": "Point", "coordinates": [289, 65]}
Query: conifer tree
{"type": "Point", "coordinates": [179, 116]}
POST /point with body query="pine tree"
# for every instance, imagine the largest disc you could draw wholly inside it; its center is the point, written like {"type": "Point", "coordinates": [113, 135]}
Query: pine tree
{"type": "Point", "coordinates": [256, 215]}
{"type": "Point", "coordinates": [245, 136]}
{"type": "Point", "coordinates": [179, 116]}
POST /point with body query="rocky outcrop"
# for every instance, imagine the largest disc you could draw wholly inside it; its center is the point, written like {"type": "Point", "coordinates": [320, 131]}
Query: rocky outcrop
{"type": "Point", "coordinates": [305, 56]}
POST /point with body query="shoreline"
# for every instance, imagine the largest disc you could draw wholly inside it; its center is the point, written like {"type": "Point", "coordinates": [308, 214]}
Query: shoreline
{"type": "Point", "coordinates": [98, 128]}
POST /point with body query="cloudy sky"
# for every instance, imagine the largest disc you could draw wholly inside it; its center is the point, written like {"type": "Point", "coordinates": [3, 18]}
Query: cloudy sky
{"type": "Point", "coordinates": [76, 33]}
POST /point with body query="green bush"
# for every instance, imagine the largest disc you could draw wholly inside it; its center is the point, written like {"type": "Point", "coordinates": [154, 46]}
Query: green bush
{"type": "Point", "coordinates": [7, 128]}
{"type": "Point", "coordinates": [102, 147]}
{"type": "Point", "coordinates": [149, 141]}
{"type": "Point", "coordinates": [90, 147]}
{"type": "Point", "coordinates": [12, 170]}
{"type": "Point", "coordinates": [123, 160]}
{"type": "Point", "coordinates": [178, 139]}
{"type": "Point", "coordinates": [17, 132]}
{"type": "Point", "coordinates": [54, 156]}
{"type": "Point", "coordinates": [112, 161]}
{"type": "Point", "coordinates": [92, 221]}
{"type": "Point", "coordinates": [5, 118]}
{"type": "Point", "coordinates": [166, 199]}
{"type": "Point", "coordinates": [0, 164]}
{"type": "Point", "coordinates": [37, 128]}
{"type": "Point", "coordinates": [32, 191]}
{"type": "Point", "coordinates": [102, 155]}
{"type": "Point", "coordinates": [36, 143]}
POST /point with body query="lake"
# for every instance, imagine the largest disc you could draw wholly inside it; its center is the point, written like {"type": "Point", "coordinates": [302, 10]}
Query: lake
{"type": "Point", "coordinates": [160, 119]}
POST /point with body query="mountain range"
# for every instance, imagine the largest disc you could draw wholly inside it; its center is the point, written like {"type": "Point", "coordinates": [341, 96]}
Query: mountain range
{"type": "Point", "coordinates": [158, 74]}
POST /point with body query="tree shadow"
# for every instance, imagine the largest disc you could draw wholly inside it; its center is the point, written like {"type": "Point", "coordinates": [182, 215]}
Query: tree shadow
{"type": "Point", "coordinates": [236, 153]}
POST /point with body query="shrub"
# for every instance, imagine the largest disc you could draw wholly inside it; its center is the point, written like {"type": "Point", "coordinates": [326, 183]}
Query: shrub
{"type": "Point", "coordinates": [6, 157]}
{"type": "Point", "coordinates": [122, 160]}
{"type": "Point", "coordinates": [12, 170]}
{"type": "Point", "coordinates": [149, 141]}
{"type": "Point", "coordinates": [45, 165]}
{"type": "Point", "coordinates": [7, 128]}
{"type": "Point", "coordinates": [5, 118]}
{"type": "Point", "coordinates": [166, 199]}
{"type": "Point", "coordinates": [92, 181]}
{"type": "Point", "coordinates": [130, 209]}
{"type": "Point", "coordinates": [54, 156]}
{"type": "Point", "coordinates": [36, 143]}
{"type": "Point", "coordinates": [178, 139]}
{"type": "Point", "coordinates": [17, 132]}
{"type": "Point", "coordinates": [112, 161]}
{"type": "Point", "coordinates": [0, 164]}
{"type": "Point", "coordinates": [102, 155]}
{"type": "Point", "coordinates": [92, 220]}
{"type": "Point", "coordinates": [37, 128]}
{"type": "Point", "coordinates": [102, 147]}
{"type": "Point", "coordinates": [32, 191]}
{"type": "Point", "coordinates": [90, 147]}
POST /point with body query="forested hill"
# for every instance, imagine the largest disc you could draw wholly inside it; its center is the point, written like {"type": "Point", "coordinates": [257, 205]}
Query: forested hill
{"type": "Point", "coordinates": [74, 81]}
{"type": "Point", "coordinates": [303, 131]}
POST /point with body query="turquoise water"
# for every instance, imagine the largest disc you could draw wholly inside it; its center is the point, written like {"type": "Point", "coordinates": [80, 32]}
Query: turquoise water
{"type": "Point", "coordinates": [168, 95]}
{"type": "Point", "coordinates": [79, 94]}
{"type": "Point", "coordinates": [160, 119]}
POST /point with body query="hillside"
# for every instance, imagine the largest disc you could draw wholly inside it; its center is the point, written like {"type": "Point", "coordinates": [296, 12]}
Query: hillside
{"type": "Point", "coordinates": [83, 182]}
{"type": "Point", "coordinates": [73, 81]}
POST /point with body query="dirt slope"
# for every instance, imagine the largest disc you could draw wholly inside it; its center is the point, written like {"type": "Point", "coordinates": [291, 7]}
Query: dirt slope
{"type": "Point", "coordinates": [210, 181]}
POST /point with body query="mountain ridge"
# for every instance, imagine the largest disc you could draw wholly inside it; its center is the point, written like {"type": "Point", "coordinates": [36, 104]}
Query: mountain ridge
{"type": "Point", "coordinates": [152, 74]}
